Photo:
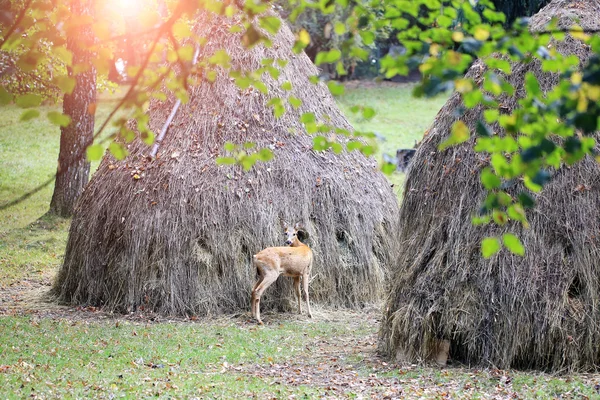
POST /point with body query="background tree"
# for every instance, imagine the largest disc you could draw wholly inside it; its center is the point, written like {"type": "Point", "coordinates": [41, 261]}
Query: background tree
{"type": "Point", "coordinates": [79, 109]}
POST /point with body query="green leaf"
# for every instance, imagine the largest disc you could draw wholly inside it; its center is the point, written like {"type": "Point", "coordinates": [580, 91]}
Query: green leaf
{"type": "Point", "coordinates": [147, 136]}
{"type": "Point", "coordinates": [117, 150]}
{"type": "Point", "coordinates": [339, 28]}
{"type": "Point", "coordinates": [270, 24]}
{"type": "Point", "coordinates": [28, 100]}
{"type": "Point", "coordinates": [532, 85]}
{"type": "Point", "coordinates": [458, 134]}
{"type": "Point", "coordinates": [94, 152]}
{"type": "Point", "coordinates": [29, 114]}
{"type": "Point", "coordinates": [354, 145]}
{"type": "Point", "coordinates": [368, 113]}
{"type": "Point", "coordinates": [336, 147]}
{"type": "Point", "coordinates": [388, 168]}
{"type": "Point", "coordinates": [319, 143]}
{"type": "Point", "coordinates": [265, 155]}
{"type": "Point", "coordinates": [229, 146]}
{"type": "Point", "coordinates": [368, 37]}
{"type": "Point", "coordinates": [489, 179]}
{"type": "Point", "coordinates": [336, 89]}
{"type": "Point", "coordinates": [247, 163]}
{"type": "Point", "coordinates": [65, 83]}
{"type": "Point", "coordinates": [490, 246]}
{"type": "Point", "coordinates": [328, 57]}
{"type": "Point", "coordinates": [287, 85]}
{"type": "Point", "coordinates": [181, 30]}
{"type": "Point", "coordinates": [225, 161]}
{"type": "Point", "coordinates": [220, 58]}
{"type": "Point", "coordinates": [295, 102]}
{"type": "Point", "coordinates": [513, 244]}
{"type": "Point", "coordinates": [308, 118]}
{"type": "Point", "coordinates": [444, 21]}
{"type": "Point", "coordinates": [58, 118]}
{"type": "Point", "coordinates": [261, 87]}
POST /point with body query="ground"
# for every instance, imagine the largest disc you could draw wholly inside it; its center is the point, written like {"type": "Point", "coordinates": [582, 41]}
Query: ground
{"type": "Point", "coordinates": [53, 351]}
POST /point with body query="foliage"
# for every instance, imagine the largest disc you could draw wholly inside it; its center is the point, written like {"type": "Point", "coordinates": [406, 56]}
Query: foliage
{"type": "Point", "coordinates": [328, 33]}
{"type": "Point", "coordinates": [434, 40]}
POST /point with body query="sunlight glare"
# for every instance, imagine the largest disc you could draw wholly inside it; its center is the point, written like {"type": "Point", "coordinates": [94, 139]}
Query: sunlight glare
{"type": "Point", "coordinates": [128, 8]}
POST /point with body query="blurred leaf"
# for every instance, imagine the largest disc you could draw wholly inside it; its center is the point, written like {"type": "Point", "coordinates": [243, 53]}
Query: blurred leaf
{"type": "Point", "coordinates": [29, 114]}
{"type": "Point", "coordinates": [117, 150]}
{"type": "Point", "coordinates": [368, 113]}
{"type": "Point", "coordinates": [459, 133]}
{"type": "Point", "coordinates": [28, 100]}
{"type": "Point", "coordinates": [65, 83]}
{"type": "Point", "coordinates": [58, 118]}
{"type": "Point", "coordinates": [225, 161]}
{"type": "Point", "coordinates": [513, 244]}
{"type": "Point", "coordinates": [270, 24]}
{"type": "Point", "coordinates": [265, 155]}
{"type": "Point", "coordinates": [229, 146]}
{"type": "Point", "coordinates": [489, 179]}
{"type": "Point", "coordinates": [220, 58]}
{"type": "Point", "coordinates": [94, 152]}
{"type": "Point", "coordinates": [490, 246]}
{"type": "Point", "coordinates": [388, 168]}
{"type": "Point", "coordinates": [295, 102]}
{"type": "Point", "coordinates": [307, 118]}
{"type": "Point", "coordinates": [336, 89]}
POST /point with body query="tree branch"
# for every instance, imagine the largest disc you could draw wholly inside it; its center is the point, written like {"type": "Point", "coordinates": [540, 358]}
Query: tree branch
{"type": "Point", "coordinates": [16, 24]}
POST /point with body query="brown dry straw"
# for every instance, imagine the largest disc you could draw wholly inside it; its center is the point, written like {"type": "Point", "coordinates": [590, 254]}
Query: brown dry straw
{"type": "Point", "coordinates": [537, 311]}
{"type": "Point", "coordinates": [179, 239]}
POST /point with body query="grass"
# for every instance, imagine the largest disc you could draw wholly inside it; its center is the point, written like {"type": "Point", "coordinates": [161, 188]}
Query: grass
{"type": "Point", "coordinates": [30, 241]}
{"type": "Point", "coordinates": [54, 358]}
{"type": "Point", "coordinates": [400, 119]}
{"type": "Point", "coordinates": [84, 353]}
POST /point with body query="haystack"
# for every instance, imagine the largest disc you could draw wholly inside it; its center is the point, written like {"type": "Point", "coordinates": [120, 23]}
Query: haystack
{"type": "Point", "coordinates": [538, 311]}
{"type": "Point", "coordinates": [176, 234]}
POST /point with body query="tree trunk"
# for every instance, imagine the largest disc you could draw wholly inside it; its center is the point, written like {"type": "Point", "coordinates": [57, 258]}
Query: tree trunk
{"type": "Point", "coordinates": [73, 167]}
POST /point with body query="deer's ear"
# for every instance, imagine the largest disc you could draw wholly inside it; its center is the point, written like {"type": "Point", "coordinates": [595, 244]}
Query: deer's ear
{"type": "Point", "coordinates": [298, 226]}
{"type": "Point", "coordinates": [302, 235]}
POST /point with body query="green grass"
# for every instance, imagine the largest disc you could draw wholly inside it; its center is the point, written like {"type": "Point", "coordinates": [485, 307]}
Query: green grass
{"type": "Point", "coordinates": [56, 358]}
{"type": "Point", "coordinates": [30, 242]}
{"type": "Point", "coordinates": [400, 119]}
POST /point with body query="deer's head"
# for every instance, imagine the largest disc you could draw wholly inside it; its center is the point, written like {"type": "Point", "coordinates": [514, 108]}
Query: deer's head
{"type": "Point", "coordinates": [291, 233]}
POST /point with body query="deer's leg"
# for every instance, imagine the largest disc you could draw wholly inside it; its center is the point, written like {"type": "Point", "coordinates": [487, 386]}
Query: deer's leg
{"type": "Point", "coordinates": [298, 293]}
{"type": "Point", "coordinates": [305, 277]}
{"type": "Point", "coordinates": [253, 299]}
{"type": "Point", "coordinates": [268, 279]}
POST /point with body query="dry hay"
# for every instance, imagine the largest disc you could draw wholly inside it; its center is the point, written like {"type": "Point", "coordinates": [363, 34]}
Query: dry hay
{"type": "Point", "coordinates": [537, 311]}
{"type": "Point", "coordinates": [179, 240]}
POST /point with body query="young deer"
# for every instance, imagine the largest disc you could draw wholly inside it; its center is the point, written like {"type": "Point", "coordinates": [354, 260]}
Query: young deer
{"type": "Point", "coordinates": [295, 261]}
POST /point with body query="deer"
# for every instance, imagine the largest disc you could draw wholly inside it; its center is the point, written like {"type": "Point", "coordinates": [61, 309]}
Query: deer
{"type": "Point", "coordinates": [294, 260]}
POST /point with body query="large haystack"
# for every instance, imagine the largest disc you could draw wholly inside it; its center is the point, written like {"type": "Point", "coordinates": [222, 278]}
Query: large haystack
{"type": "Point", "coordinates": [179, 239]}
{"type": "Point", "coordinates": [537, 311]}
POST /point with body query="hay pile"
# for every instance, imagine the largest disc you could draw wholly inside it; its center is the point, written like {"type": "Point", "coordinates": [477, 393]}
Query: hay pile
{"type": "Point", "coordinates": [539, 311]}
{"type": "Point", "coordinates": [179, 239]}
